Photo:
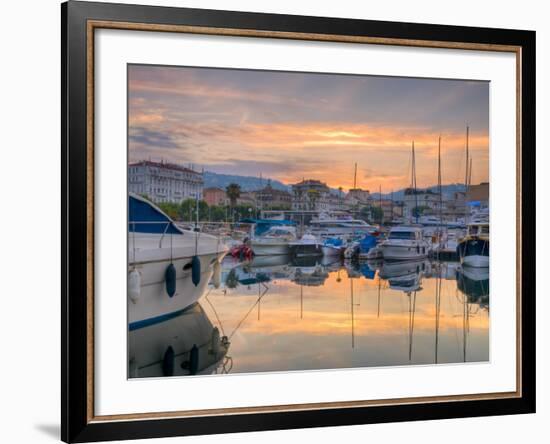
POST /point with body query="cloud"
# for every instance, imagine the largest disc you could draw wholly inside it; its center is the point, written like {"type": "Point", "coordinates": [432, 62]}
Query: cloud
{"type": "Point", "coordinates": [151, 138]}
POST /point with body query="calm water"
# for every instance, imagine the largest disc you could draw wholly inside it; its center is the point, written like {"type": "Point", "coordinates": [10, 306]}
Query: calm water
{"type": "Point", "coordinates": [281, 315]}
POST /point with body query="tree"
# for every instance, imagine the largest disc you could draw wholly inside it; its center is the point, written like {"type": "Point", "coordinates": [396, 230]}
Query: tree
{"type": "Point", "coordinates": [377, 214]}
{"type": "Point", "coordinates": [170, 208]}
{"type": "Point", "coordinates": [233, 192]}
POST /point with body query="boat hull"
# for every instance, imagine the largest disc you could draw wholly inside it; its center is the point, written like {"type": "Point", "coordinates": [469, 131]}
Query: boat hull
{"type": "Point", "coordinates": [474, 252]}
{"type": "Point", "coordinates": [299, 250]}
{"type": "Point", "coordinates": [266, 249]}
{"type": "Point", "coordinates": [403, 252]}
{"type": "Point", "coordinates": [154, 305]}
{"type": "Point", "coordinates": [331, 251]}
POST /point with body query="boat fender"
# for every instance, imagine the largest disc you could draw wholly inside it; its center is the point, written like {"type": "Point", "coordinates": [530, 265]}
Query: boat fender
{"type": "Point", "coordinates": [194, 360]}
{"type": "Point", "coordinates": [215, 341]}
{"type": "Point", "coordinates": [195, 270]}
{"type": "Point", "coordinates": [168, 362]}
{"type": "Point", "coordinates": [170, 280]}
{"type": "Point", "coordinates": [134, 285]}
{"type": "Point", "coordinates": [217, 276]}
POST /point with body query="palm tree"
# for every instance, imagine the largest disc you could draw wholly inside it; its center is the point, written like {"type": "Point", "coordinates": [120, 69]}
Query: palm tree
{"type": "Point", "coordinates": [233, 192]}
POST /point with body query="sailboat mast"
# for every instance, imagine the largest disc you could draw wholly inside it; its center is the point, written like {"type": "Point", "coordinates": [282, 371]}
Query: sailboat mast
{"type": "Point", "coordinates": [439, 182]}
{"type": "Point", "coordinates": [414, 182]}
{"type": "Point", "coordinates": [355, 177]}
{"type": "Point", "coordinates": [467, 156]}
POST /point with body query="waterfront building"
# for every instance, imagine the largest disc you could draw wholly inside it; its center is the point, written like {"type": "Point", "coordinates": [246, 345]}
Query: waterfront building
{"type": "Point", "coordinates": [311, 195]}
{"type": "Point", "coordinates": [479, 194]}
{"type": "Point", "coordinates": [391, 209]}
{"type": "Point", "coordinates": [164, 182]}
{"type": "Point", "coordinates": [215, 196]}
{"type": "Point", "coordinates": [427, 200]}
{"type": "Point", "coordinates": [247, 198]}
{"type": "Point", "coordinates": [272, 198]}
{"type": "Point", "coordinates": [358, 197]}
{"type": "Point", "coordinates": [455, 205]}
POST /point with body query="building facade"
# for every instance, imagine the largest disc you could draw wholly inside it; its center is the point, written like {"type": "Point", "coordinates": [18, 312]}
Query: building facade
{"type": "Point", "coordinates": [215, 196]}
{"type": "Point", "coordinates": [358, 197]}
{"type": "Point", "coordinates": [272, 198]}
{"type": "Point", "coordinates": [429, 201]}
{"type": "Point", "coordinates": [479, 194]}
{"type": "Point", "coordinates": [311, 195]}
{"type": "Point", "coordinates": [164, 182]}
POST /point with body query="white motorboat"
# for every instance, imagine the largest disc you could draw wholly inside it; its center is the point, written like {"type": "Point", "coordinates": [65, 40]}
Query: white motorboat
{"type": "Point", "coordinates": [308, 245]}
{"type": "Point", "coordinates": [405, 243]}
{"type": "Point", "coordinates": [274, 241]}
{"type": "Point", "coordinates": [169, 268]}
{"type": "Point", "coordinates": [473, 249]}
{"type": "Point", "coordinates": [340, 227]}
{"type": "Point", "coordinates": [187, 344]}
{"type": "Point", "coordinates": [333, 246]}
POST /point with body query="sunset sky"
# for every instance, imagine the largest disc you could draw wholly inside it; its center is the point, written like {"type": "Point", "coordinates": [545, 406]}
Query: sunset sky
{"type": "Point", "coordinates": [289, 126]}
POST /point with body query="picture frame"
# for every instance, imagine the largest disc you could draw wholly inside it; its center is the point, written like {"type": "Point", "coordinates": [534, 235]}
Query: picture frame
{"type": "Point", "coordinates": [80, 21]}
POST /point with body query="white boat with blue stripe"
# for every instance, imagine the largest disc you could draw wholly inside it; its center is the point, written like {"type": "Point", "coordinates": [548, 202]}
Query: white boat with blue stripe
{"type": "Point", "coordinates": [168, 268]}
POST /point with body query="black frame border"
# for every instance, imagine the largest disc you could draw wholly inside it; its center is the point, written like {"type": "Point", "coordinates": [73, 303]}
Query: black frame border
{"type": "Point", "coordinates": [75, 424]}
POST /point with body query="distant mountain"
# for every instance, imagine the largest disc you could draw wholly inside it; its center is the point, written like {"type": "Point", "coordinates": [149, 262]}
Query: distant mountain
{"type": "Point", "coordinates": [247, 183]}
{"type": "Point", "coordinates": [400, 194]}
{"type": "Point", "coordinates": [252, 183]}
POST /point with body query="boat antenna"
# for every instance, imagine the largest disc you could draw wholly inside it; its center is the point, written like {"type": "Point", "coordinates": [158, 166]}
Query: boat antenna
{"type": "Point", "coordinates": [355, 177]}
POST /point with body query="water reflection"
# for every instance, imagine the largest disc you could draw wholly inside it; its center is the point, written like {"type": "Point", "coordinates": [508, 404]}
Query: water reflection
{"type": "Point", "coordinates": [187, 344]}
{"type": "Point", "coordinates": [276, 314]}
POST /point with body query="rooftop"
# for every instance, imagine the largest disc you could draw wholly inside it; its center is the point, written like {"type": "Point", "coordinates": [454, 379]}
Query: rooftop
{"type": "Point", "coordinates": [164, 165]}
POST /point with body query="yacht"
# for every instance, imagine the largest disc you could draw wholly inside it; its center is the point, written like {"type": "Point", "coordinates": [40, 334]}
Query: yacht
{"type": "Point", "coordinates": [473, 249]}
{"type": "Point", "coordinates": [275, 241]}
{"type": "Point", "coordinates": [340, 227]}
{"type": "Point", "coordinates": [308, 245]}
{"type": "Point", "coordinates": [405, 243]}
{"type": "Point", "coordinates": [168, 267]}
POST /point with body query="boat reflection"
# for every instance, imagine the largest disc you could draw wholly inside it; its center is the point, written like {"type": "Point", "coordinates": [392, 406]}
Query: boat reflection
{"type": "Point", "coordinates": [282, 314]}
{"type": "Point", "coordinates": [187, 344]}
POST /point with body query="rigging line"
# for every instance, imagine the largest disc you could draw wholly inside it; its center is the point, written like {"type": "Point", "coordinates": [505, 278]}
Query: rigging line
{"type": "Point", "coordinates": [248, 313]}
{"type": "Point", "coordinates": [215, 312]}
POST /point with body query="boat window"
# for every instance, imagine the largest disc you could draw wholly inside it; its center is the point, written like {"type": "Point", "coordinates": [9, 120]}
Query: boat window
{"type": "Point", "coordinates": [402, 235]}
{"type": "Point", "coordinates": [485, 230]}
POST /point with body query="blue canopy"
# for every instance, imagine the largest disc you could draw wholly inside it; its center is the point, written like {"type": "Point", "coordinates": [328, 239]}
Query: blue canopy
{"type": "Point", "coordinates": [367, 243]}
{"type": "Point", "coordinates": [145, 217]}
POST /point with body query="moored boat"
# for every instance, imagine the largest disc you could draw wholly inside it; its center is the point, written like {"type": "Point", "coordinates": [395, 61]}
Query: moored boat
{"type": "Point", "coordinates": [169, 268]}
{"type": "Point", "coordinates": [308, 245]}
{"type": "Point", "coordinates": [405, 243]}
{"type": "Point", "coordinates": [473, 249]}
{"type": "Point", "coordinates": [275, 241]}
{"type": "Point", "coordinates": [333, 246]}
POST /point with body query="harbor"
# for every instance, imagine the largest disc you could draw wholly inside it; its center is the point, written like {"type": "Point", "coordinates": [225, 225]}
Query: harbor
{"type": "Point", "coordinates": [256, 295]}
{"type": "Point", "coordinates": [288, 221]}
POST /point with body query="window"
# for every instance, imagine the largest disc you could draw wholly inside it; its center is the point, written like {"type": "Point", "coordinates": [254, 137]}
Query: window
{"type": "Point", "coordinates": [407, 235]}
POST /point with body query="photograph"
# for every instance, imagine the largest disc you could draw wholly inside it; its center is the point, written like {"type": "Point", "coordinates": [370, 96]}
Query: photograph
{"type": "Point", "coordinates": [285, 221]}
